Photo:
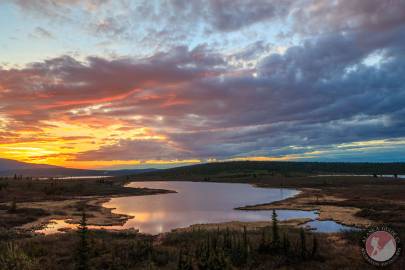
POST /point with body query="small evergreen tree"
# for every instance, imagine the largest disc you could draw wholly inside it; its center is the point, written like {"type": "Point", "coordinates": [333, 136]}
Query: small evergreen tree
{"type": "Point", "coordinates": [13, 206]}
{"type": "Point", "coordinates": [150, 264]}
{"type": "Point", "coordinates": [263, 242]}
{"type": "Point", "coordinates": [276, 235]}
{"type": "Point", "coordinates": [245, 247]}
{"type": "Point", "coordinates": [314, 247]}
{"type": "Point", "coordinates": [286, 244]}
{"type": "Point", "coordinates": [218, 261]}
{"type": "Point", "coordinates": [303, 243]}
{"type": "Point", "coordinates": [83, 247]}
{"type": "Point", "coordinates": [202, 256]}
{"type": "Point", "coordinates": [227, 240]}
{"type": "Point", "coordinates": [180, 260]}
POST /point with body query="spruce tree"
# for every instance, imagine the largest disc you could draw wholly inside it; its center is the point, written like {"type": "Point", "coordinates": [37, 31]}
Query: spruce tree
{"type": "Point", "coordinates": [83, 247]}
{"type": "Point", "coordinates": [150, 254]}
{"type": "Point", "coordinates": [314, 247]}
{"type": "Point", "coordinates": [202, 255]}
{"type": "Point", "coordinates": [276, 235]}
{"type": "Point", "coordinates": [263, 243]}
{"type": "Point", "coordinates": [184, 262]}
{"type": "Point", "coordinates": [303, 243]}
{"type": "Point", "coordinates": [245, 247]}
{"type": "Point", "coordinates": [180, 260]}
{"type": "Point", "coordinates": [13, 206]}
{"type": "Point", "coordinates": [286, 244]}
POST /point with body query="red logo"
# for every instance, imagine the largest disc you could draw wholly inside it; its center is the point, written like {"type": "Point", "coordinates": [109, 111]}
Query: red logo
{"type": "Point", "coordinates": [381, 246]}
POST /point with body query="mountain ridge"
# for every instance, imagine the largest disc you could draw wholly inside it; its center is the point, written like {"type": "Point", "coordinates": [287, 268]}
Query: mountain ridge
{"type": "Point", "coordinates": [9, 167]}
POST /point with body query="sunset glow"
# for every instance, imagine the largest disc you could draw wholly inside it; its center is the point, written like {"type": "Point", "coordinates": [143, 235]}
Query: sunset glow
{"type": "Point", "coordinates": [126, 84]}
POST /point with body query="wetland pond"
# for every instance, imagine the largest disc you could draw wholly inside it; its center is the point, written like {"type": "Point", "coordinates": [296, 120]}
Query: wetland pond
{"type": "Point", "coordinates": [195, 203]}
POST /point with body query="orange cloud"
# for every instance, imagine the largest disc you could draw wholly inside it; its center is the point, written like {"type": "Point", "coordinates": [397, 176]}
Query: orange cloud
{"type": "Point", "coordinates": [89, 101]}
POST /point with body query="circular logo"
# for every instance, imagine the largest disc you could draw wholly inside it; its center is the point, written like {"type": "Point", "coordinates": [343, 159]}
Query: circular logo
{"type": "Point", "coordinates": [381, 246]}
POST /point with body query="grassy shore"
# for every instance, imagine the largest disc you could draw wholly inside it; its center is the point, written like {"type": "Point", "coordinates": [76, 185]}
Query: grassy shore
{"type": "Point", "coordinates": [350, 200]}
{"type": "Point", "coordinates": [197, 248]}
{"type": "Point", "coordinates": [359, 201]}
{"type": "Point", "coordinates": [30, 204]}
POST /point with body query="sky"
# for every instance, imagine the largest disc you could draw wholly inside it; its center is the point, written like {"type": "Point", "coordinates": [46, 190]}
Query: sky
{"type": "Point", "coordinates": [145, 83]}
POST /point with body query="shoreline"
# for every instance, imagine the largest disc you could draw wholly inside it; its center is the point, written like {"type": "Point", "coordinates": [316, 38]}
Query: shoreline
{"type": "Point", "coordinates": [100, 216]}
{"type": "Point", "coordinates": [66, 210]}
{"type": "Point", "coordinates": [239, 225]}
{"type": "Point", "coordinates": [309, 199]}
{"type": "Point", "coordinates": [97, 216]}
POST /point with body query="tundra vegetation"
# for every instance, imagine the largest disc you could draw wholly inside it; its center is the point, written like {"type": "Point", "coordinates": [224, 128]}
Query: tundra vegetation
{"type": "Point", "coordinates": [275, 246]}
{"type": "Point", "coordinates": [270, 247]}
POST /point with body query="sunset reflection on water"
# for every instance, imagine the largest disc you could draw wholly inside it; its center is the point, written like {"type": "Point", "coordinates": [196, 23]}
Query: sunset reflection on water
{"type": "Point", "coordinates": [193, 203]}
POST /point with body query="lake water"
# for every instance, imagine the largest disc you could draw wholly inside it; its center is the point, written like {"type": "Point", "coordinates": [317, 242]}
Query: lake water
{"type": "Point", "coordinates": [76, 177]}
{"type": "Point", "coordinates": [194, 203]}
{"type": "Point", "coordinates": [327, 226]}
{"type": "Point", "coordinates": [198, 202]}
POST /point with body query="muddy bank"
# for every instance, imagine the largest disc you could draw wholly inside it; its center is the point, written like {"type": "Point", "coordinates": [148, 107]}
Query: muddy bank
{"type": "Point", "coordinates": [312, 200]}
{"type": "Point", "coordinates": [70, 210]}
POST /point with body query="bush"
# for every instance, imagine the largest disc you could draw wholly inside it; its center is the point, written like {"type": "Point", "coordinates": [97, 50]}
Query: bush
{"type": "Point", "coordinates": [13, 206]}
{"type": "Point", "coordinates": [14, 258]}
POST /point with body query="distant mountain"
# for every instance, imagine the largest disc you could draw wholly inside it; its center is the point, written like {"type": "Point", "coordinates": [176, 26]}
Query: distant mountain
{"type": "Point", "coordinates": [131, 171]}
{"type": "Point", "coordinates": [11, 167]}
{"type": "Point", "coordinates": [8, 164]}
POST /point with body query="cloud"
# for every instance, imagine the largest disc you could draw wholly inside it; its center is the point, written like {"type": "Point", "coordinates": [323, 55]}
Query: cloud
{"type": "Point", "coordinates": [56, 8]}
{"type": "Point", "coordinates": [142, 150]}
{"type": "Point", "coordinates": [318, 93]}
{"type": "Point", "coordinates": [346, 15]}
{"type": "Point", "coordinates": [40, 32]}
{"type": "Point", "coordinates": [315, 95]}
{"type": "Point", "coordinates": [196, 102]}
{"type": "Point", "coordinates": [65, 83]}
{"type": "Point", "coordinates": [157, 24]}
{"type": "Point", "coordinates": [231, 15]}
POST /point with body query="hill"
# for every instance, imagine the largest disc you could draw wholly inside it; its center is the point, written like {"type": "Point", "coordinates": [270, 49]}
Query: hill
{"type": "Point", "coordinates": [280, 168]}
{"type": "Point", "coordinates": [11, 167]}
{"type": "Point", "coordinates": [8, 164]}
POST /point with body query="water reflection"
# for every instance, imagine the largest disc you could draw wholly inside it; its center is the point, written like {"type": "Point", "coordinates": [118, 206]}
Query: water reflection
{"type": "Point", "coordinates": [76, 177]}
{"type": "Point", "coordinates": [197, 202]}
{"type": "Point", "coordinates": [194, 202]}
{"type": "Point", "coordinates": [327, 226]}
{"type": "Point", "coordinates": [59, 225]}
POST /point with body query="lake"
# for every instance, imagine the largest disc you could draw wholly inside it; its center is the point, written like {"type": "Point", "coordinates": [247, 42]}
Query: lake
{"type": "Point", "coordinates": [327, 226]}
{"type": "Point", "coordinates": [195, 203]}
{"type": "Point", "coordinates": [76, 177]}
{"type": "Point", "coordinates": [199, 202]}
